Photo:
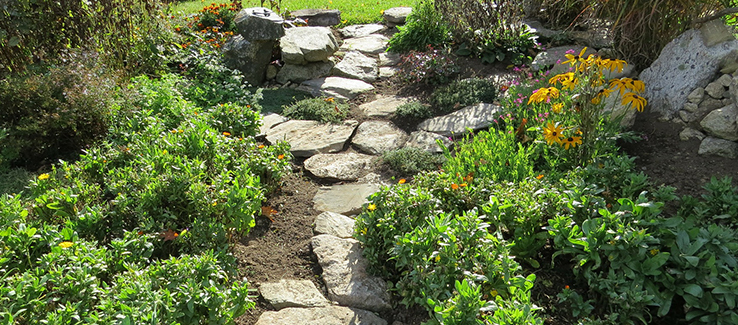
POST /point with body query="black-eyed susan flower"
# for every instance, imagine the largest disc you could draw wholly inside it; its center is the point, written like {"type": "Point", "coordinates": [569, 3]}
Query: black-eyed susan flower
{"type": "Point", "coordinates": [544, 94]}
{"type": "Point", "coordinates": [558, 108]}
{"type": "Point", "coordinates": [561, 77]}
{"type": "Point", "coordinates": [635, 85]}
{"type": "Point", "coordinates": [604, 92]}
{"type": "Point", "coordinates": [573, 59]}
{"type": "Point", "coordinates": [552, 133]}
{"type": "Point", "coordinates": [571, 142]}
{"type": "Point", "coordinates": [619, 85]}
{"type": "Point", "coordinates": [635, 101]}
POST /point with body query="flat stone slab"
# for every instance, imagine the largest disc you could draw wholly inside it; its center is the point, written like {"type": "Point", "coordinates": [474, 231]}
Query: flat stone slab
{"type": "Point", "coordinates": [378, 137]}
{"type": "Point", "coordinates": [337, 87]}
{"type": "Point", "coordinates": [330, 315]}
{"type": "Point", "coordinates": [318, 17]}
{"type": "Point", "coordinates": [397, 15]}
{"type": "Point", "coordinates": [307, 138]}
{"type": "Point", "coordinates": [384, 106]}
{"type": "Point", "coordinates": [371, 44]}
{"type": "Point", "coordinates": [471, 117]}
{"type": "Point", "coordinates": [361, 30]}
{"type": "Point", "coordinates": [345, 199]}
{"type": "Point", "coordinates": [345, 275]}
{"type": "Point", "coordinates": [388, 59]}
{"type": "Point", "coordinates": [292, 293]}
{"type": "Point", "coordinates": [387, 72]}
{"type": "Point", "coordinates": [718, 147]}
{"type": "Point", "coordinates": [357, 66]}
{"type": "Point", "coordinates": [334, 224]}
{"type": "Point", "coordinates": [427, 141]}
{"type": "Point", "coordinates": [299, 73]}
{"type": "Point", "coordinates": [342, 166]}
{"type": "Point", "coordinates": [268, 121]}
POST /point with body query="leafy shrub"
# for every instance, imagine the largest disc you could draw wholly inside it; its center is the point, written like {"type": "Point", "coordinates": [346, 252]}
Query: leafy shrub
{"type": "Point", "coordinates": [55, 114]}
{"type": "Point", "coordinates": [411, 160]}
{"type": "Point", "coordinates": [433, 67]}
{"type": "Point", "coordinates": [424, 27]}
{"type": "Point", "coordinates": [413, 110]}
{"type": "Point", "coordinates": [463, 93]}
{"type": "Point", "coordinates": [323, 109]}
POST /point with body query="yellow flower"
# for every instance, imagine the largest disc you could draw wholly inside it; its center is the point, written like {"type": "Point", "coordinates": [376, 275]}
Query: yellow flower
{"type": "Point", "coordinates": [558, 107]}
{"type": "Point", "coordinates": [635, 101]}
{"type": "Point", "coordinates": [617, 64]}
{"type": "Point", "coordinates": [43, 176]}
{"type": "Point", "coordinates": [438, 258]}
{"type": "Point", "coordinates": [494, 293]}
{"type": "Point", "coordinates": [66, 244]}
{"type": "Point", "coordinates": [600, 94]}
{"type": "Point", "coordinates": [227, 133]}
{"type": "Point", "coordinates": [544, 94]}
{"type": "Point", "coordinates": [571, 141]}
{"type": "Point", "coordinates": [371, 207]}
{"type": "Point", "coordinates": [552, 133]}
{"type": "Point", "coordinates": [561, 77]}
{"type": "Point", "coordinates": [402, 181]}
{"type": "Point", "coordinates": [654, 251]}
{"type": "Point", "coordinates": [573, 59]}
{"type": "Point", "coordinates": [635, 85]}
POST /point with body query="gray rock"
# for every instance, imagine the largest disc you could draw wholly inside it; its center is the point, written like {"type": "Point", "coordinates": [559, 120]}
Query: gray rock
{"type": "Point", "coordinates": [387, 59]}
{"type": "Point", "coordinates": [598, 37]}
{"type": "Point", "coordinates": [292, 293]}
{"type": "Point", "coordinates": [357, 66]}
{"type": "Point", "coordinates": [249, 57]}
{"type": "Point", "coordinates": [342, 166]}
{"type": "Point", "coordinates": [696, 95]}
{"type": "Point", "coordinates": [301, 45]}
{"type": "Point", "coordinates": [318, 17]}
{"type": "Point", "coordinates": [721, 123]}
{"type": "Point", "coordinates": [397, 15]}
{"type": "Point", "coordinates": [535, 27]}
{"type": "Point", "coordinates": [307, 138]}
{"type": "Point", "coordinates": [687, 116]}
{"type": "Point", "coordinates": [718, 147]}
{"type": "Point", "coordinates": [555, 55]}
{"type": "Point", "coordinates": [690, 107]}
{"type": "Point", "coordinates": [271, 72]}
{"type": "Point", "coordinates": [690, 133]}
{"type": "Point", "coordinates": [345, 199]}
{"type": "Point", "coordinates": [715, 90]}
{"type": "Point", "coordinates": [378, 137]}
{"type": "Point", "coordinates": [383, 106]}
{"type": "Point", "coordinates": [259, 24]}
{"type": "Point", "coordinates": [337, 87]}
{"type": "Point", "coordinates": [361, 30]}
{"type": "Point", "coordinates": [334, 224]}
{"type": "Point", "coordinates": [715, 32]}
{"type": "Point", "coordinates": [614, 106]}
{"type": "Point", "coordinates": [472, 117]}
{"type": "Point", "coordinates": [427, 141]}
{"type": "Point", "coordinates": [345, 275]}
{"type": "Point", "coordinates": [268, 121]}
{"type": "Point", "coordinates": [299, 73]}
{"type": "Point", "coordinates": [387, 72]}
{"type": "Point", "coordinates": [330, 315]}
{"type": "Point", "coordinates": [725, 80]}
{"type": "Point", "coordinates": [628, 71]}
{"type": "Point", "coordinates": [684, 64]}
{"type": "Point", "coordinates": [372, 44]}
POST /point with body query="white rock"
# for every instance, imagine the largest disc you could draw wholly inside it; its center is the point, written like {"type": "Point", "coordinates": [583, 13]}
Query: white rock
{"type": "Point", "coordinates": [690, 133]}
{"type": "Point", "coordinates": [715, 90]}
{"type": "Point", "coordinates": [292, 293]}
{"type": "Point", "coordinates": [721, 123]}
{"type": "Point", "coordinates": [397, 16]}
{"type": "Point", "coordinates": [472, 117]}
{"type": "Point", "coordinates": [372, 44]}
{"type": "Point", "coordinates": [345, 199]}
{"type": "Point", "coordinates": [388, 72]}
{"type": "Point", "coordinates": [384, 106]}
{"type": "Point", "coordinates": [725, 80]}
{"type": "Point", "coordinates": [428, 141]}
{"type": "Point", "coordinates": [696, 95]}
{"type": "Point", "coordinates": [387, 59]}
{"type": "Point", "coordinates": [334, 224]}
{"type": "Point", "coordinates": [301, 45]}
{"type": "Point", "coordinates": [330, 315]}
{"type": "Point", "coordinates": [307, 138]}
{"type": "Point", "coordinates": [361, 30]}
{"type": "Point", "coordinates": [268, 121]}
{"type": "Point", "coordinates": [378, 137]}
{"type": "Point", "coordinates": [357, 66]}
{"type": "Point", "coordinates": [341, 166]}
{"type": "Point", "coordinates": [718, 147]}
{"type": "Point", "coordinates": [345, 275]}
{"type": "Point", "coordinates": [337, 87]}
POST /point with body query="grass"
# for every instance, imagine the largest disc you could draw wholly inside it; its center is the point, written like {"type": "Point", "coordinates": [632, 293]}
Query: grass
{"type": "Point", "coordinates": [352, 11]}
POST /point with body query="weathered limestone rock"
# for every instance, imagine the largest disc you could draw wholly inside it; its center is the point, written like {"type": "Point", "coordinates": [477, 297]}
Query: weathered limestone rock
{"type": "Point", "coordinates": [690, 133]}
{"type": "Point", "coordinates": [307, 138]}
{"type": "Point", "coordinates": [472, 117]}
{"type": "Point", "coordinates": [715, 90]}
{"type": "Point", "coordinates": [343, 88]}
{"type": "Point", "coordinates": [345, 275]}
{"type": "Point", "coordinates": [318, 17]}
{"type": "Point", "coordinates": [388, 59]}
{"type": "Point", "coordinates": [722, 123]}
{"type": "Point", "coordinates": [341, 166]}
{"type": "Point", "coordinates": [718, 147]}
{"type": "Point", "coordinates": [428, 141]}
{"type": "Point", "coordinates": [614, 106]}
{"type": "Point", "coordinates": [715, 32]}
{"type": "Point", "coordinates": [249, 57]}
{"type": "Point", "coordinates": [334, 224]}
{"type": "Point", "coordinates": [555, 55]}
{"type": "Point", "coordinates": [301, 45]}
{"type": "Point", "coordinates": [696, 95]}
{"type": "Point", "coordinates": [357, 66]}
{"type": "Point", "coordinates": [535, 27]}
{"type": "Point", "coordinates": [259, 24]}
{"type": "Point", "coordinates": [372, 44]}
{"type": "Point", "coordinates": [345, 199]}
{"type": "Point", "coordinates": [268, 121]}
{"type": "Point", "coordinates": [383, 106]}
{"type": "Point", "coordinates": [378, 137]}
{"type": "Point", "coordinates": [597, 37]}
{"type": "Point", "coordinates": [361, 30]}
{"type": "Point", "coordinates": [387, 72]}
{"type": "Point", "coordinates": [292, 293]}
{"type": "Point", "coordinates": [396, 16]}
{"type": "Point", "coordinates": [299, 73]}
{"type": "Point", "coordinates": [330, 315]}
{"type": "Point", "coordinates": [684, 64]}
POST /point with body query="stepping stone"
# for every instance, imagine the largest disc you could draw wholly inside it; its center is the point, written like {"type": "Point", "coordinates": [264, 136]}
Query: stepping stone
{"type": "Point", "coordinates": [341, 166]}
{"type": "Point", "coordinates": [396, 16]}
{"type": "Point", "coordinates": [387, 59]}
{"type": "Point", "coordinates": [554, 56]}
{"type": "Point", "coordinates": [342, 88]}
{"type": "Point", "coordinates": [473, 117]}
{"type": "Point", "coordinates": [299, 73]}
{"type": "Point", "coordinates": [372, 44]}
{"type": "Point", "coordinates": [330, 315]}
{"type": "Point", "coordinates": [301, 45]}
{"type": "Point", "coordinates": [357, 66]}
{"type": "Point", "coordinates": [383, 106]}
{"type": "Point", "coordinates": [361, 30]}
{"type": "Point", "coordinates": [387, 72]}
{"type": "Point", "coordinates": [292, 293]}
{"type": "Point", "coordinates": [334, 224]}
{"type": "Point", "coordinates": [378, 137]}
{"type": "Point", "coordinates": [318, 17]}
{"type": "Point", "coordinates": [268, 121]}
{"type": "Point", "coordinates": [307, 138]}
{"type": "Point", "coordinates": [345, 199]}
{"type": "Point", "coordinates": [345, 275]}
{"type": "Point", "coordinates": [427, 141]}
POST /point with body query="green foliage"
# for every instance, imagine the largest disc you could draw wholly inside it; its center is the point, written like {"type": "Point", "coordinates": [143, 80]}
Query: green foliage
{"type": "Point", "coordinates": [413, 110]}
{"type": "Point", "coordinates": [411, 160]}
{"type": "Point", "coordinates": [718, 205]}
{"type": "Point", "coordinates": [462, 93]}
{"type": "Point", "coordinates": [322, 109]}
{"type": "Point", "coordinates": [433, 67]}
{"type": "Point", "coordinates": [55, 114]}
{"type": "Point", "coordinates": [424, 27]}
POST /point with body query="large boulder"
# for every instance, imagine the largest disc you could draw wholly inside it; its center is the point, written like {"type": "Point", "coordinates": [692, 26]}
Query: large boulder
{"type": "Point", "coordinates": [686, 63]}
{"type": "Point", "coordinates": [301, 45]}
{"type": "Point", "coordinates": [318, 17]}
{"type": "Point", "coordinates": [259, 24]}
{"type": "Point", "coordinates": [718, 147]}
{"type": "Point", "coordinates": [357, 66]}
{"type": "Point", "coordinates": [299, 73]}
{"type": "Point", "coordinates": [249, 57]}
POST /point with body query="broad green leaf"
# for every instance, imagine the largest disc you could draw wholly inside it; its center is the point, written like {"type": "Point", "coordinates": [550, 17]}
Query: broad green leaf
{"type": "Point", "coordinates": [14, 41]}
{"type": "Point", "coordinates": [693, 289]}
{"type": "Point", "coordinates": [682, 240]}
{"type": "Point", "coordinates": [692, 260]}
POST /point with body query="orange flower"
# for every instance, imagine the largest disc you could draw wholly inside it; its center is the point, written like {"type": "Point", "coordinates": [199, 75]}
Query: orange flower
{"type": "Point", "coordinates": [261, 146]}
{"type": "Point", "coordinates": [462, 185]}
{"type": "Point", "coordinates": [402, 181]}
{"type": "Point", "coordinates": [454, 187]}
{"type": "Point", "coordinates": [566, 287]}
{"type": "Point", "coordinates": [280, 157]}
{"type": "Point", "coordinates": [539, 176]}
{"type": "Point", "coordinates": [227, 133]}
